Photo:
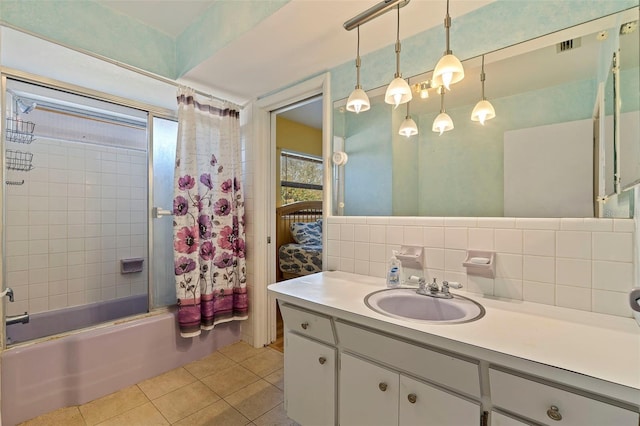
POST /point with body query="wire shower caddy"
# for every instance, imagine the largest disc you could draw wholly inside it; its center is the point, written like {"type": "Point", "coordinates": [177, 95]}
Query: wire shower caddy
{"type": "Point", "coordinates": [20, 131]}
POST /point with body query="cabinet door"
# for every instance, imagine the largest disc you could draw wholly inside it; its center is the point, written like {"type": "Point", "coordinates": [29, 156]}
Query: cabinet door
{"type": "Point", "coordinates": [498, 419]}
{"type": "Point", "coordinates": [309, 381]}
{"type": "Point", "coordinates": [368, 393]}
{"type": "Point", "coordinates": [422, 404]}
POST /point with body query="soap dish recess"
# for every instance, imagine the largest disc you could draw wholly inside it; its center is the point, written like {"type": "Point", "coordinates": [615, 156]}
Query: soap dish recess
{"type": "Point", "coordinates": [480, 263]}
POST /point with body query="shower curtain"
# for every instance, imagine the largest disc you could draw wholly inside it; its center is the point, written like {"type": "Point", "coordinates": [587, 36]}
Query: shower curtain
{"type": "Point", "coordinates": [208, 216]}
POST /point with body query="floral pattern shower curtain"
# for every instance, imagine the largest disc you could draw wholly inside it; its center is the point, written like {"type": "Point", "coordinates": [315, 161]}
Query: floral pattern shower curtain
{"type": "Point", "coordinates": [208, 217]}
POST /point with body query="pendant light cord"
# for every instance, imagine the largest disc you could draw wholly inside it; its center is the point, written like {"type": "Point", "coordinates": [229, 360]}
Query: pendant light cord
{"type": "Point", "coordinates": [398, 45]}
{"type": "Point", "coordinates": [441, 100]}
{"type": "Point", "coordinates": [447, 25]}
{"type": "Point", "coordinates": [358, 61]}
{"type": "Point", "coordinates": [482, 78]}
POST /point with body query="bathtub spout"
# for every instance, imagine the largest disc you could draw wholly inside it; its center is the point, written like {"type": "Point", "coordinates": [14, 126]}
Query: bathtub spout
{"type": "Point", "coordinates": [14, 319]}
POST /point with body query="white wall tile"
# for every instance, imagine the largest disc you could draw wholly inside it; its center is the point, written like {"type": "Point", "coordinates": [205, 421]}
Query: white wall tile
{"type": "Point", "coordinates": [455, 277]}
{"type": "Point", "coordinates": [434, 258]}
{"type": "Point", "coordinates": [361, 233]}
{"type": "Point", "coordinates": [508, 241]}
{"type": "Point", "coordinates": [573, 272]}
{"type": "Point", "coordinates": [346, 249]}
{"type": "Point", "coordinates": [538, 292]}
{"type": "Point", "coordinates": [610, 302]}
{"type": "Point", "coordinates": [361, 267]}
{"type": "Point", "coordinates": [623, 225]}
{"type": "Point", "coordinates": [347, 265]}
{"type": "Point", "coordinates": [496, 222]}
{"type": "Point", "coordinates": [433, 236]}
{"type": "Point", "coordinates": [481, 239]}
{"type": "Point", "coordinates": [457, 222]}
{"type": "Point", "coordinates": [333, 231]}
{"type": "Point", "coordinates": [509, 266]}
{"type": "Point", "coordinates": [377, 234]}
{"type": "Point", "coordinates": [357, 220]}
{"type": "Point", "coordinates": [413, 236]}
{"type": "Point", "coordinates": [377, 269]}
{"type": "Point", "coordinates": [573, 244]}
{"type": "Point", "coordinates": [538, 223]}
{"type": "Point", "coordinates": [598, 225]}
{"type": "Point", "coordinates": [394, 235]}
{"type": "Point", "coordinates": [455, 238]}
{"type": "Point", "coordinates": [539, 242]}
{"type": "Point", "coordinates": [508, 288]}
{"type": "Point", "coordinates": [361, 251]}
{"type": "Point", "coordinates": [613, 276]}
{"type": "Point", "coordinates": [453, 260]}
{"type": "Point", "coordinates": [480, 285]}
{"type": "Point", "coordinates": [616, 246]}
{"type": "Point", "coordinates": [377, 220]}
{"type": "Point", "coordinates": [539, 268]}
{"type": "Point", "coordinates": [346, 232]}
{"type": "Point", "coordinates": [573, 297]}
{"type": "Point", "coordinates": [377, 253]}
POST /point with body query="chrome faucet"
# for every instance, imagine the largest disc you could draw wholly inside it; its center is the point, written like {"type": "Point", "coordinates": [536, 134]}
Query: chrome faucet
{"type": "Point", "coordinates": [7, 292]}
{"type": "Point", "coordinates": [432, 289]}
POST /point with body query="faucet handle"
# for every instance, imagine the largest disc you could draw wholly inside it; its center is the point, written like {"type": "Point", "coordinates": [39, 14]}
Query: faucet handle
{"type": "Point", "coordinates": [7, 292]}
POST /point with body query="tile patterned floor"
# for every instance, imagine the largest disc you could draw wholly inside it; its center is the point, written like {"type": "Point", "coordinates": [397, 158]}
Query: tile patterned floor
{"type": "Point", "coordinates": [237, 385]}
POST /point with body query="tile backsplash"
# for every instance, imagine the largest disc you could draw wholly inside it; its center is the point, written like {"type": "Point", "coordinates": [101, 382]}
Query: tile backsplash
{"type": "Point", "coordinates": [584, 264]}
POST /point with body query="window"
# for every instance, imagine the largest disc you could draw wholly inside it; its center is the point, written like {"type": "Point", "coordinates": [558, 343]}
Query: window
{"type": "Point", "coordinates": [300, 177]}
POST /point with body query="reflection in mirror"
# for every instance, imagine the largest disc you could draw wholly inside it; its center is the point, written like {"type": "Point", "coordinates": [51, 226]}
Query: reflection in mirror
{"type": "Point", "coordinates": [534, 159]}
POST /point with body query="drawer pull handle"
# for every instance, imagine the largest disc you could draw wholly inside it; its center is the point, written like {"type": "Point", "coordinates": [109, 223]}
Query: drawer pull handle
{"type": "Point", "coordinates": [554, 413]}
{"type": "Point", "coordinates": [304, 325]}
{"type": "Point", "coordinates": [412, 397]}
{"type": "Point", "coordinates": [382, 386]}
{"type": "Point", "coordinates": [322, 360]}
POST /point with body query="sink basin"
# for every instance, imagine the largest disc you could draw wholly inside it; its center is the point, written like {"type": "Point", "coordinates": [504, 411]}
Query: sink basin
{"type": "Point", "coordinates": [406, 304]}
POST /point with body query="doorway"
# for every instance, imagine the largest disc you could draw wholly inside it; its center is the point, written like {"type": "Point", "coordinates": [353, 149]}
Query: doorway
{"type": "Point", "coordinates": [298, 191]}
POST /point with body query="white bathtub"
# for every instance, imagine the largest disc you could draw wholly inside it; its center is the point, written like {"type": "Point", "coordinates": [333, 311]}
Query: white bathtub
{"type": "Point", "coordinates": [58, 372]}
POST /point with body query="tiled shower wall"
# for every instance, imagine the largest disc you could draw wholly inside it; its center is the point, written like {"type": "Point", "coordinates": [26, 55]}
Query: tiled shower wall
{"type": "Point", "coordinates": [584, 264]}
{"type": "Point", "coordinates": [80, 210]}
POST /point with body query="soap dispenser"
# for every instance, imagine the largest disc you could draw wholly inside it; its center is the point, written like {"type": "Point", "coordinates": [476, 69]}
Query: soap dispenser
{"type": "Point", "coordinates": [394, 273]}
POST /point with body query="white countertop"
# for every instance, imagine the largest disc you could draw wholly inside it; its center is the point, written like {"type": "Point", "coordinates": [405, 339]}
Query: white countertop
{"type": "Point", "coordinates": [599, 347]}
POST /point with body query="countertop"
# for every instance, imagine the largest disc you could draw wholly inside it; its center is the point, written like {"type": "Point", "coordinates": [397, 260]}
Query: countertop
{"type": "Point", "coordinates": [591, 350]}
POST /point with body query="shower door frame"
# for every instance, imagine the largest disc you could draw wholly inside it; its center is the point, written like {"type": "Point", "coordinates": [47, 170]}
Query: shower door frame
{"type": "Point", "coordinates": [152, 112]}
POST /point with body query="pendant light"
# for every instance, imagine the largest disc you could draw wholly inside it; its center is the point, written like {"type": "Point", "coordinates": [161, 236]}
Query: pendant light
{"type": "Point", "coordinates": [443, 122]}
{"type": "Point", "coordinates": [398, 91]}
{"type": "Point", "coordinates": [423, 89]}
{"type": "Point", "coordinates": [408, 127]}
{"type": "Point", "coordinates": [449, 69]}
{"type": "Point", "coordinates": [483, 110]}
{"type": "Point", "coordinates": [358, 100]}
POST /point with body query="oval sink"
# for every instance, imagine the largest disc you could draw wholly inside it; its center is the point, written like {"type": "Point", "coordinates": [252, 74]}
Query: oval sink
{"type": "Point", "coordinates": [406, 304]}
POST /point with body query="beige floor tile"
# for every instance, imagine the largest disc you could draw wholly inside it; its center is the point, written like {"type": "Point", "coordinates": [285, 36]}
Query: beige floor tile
{"type": "Point", "coordinates": [256, 399]}
{"type": "Point", "coordinates": [209, 365]}
{"type": "Point", "coordinates": [185, 401]}
{"type": "Point", "coordinates": [144, 415]}
{"type": "Point", "coordinates": [109, 406]}
{"type": "Point", "coordinates": [69, 416]}
{"type": "Point", "coordinates": [228, 381]}
{"type": "Point", "coordinates": [275, 417]}
{"type": "Point", "coordinates": [167, 382]}
{"type": "Point", "coordinates": [265, 363]}
{"type": "Point", "coordinates": [240, 351]}
{"type": "Point", "coordinates": [218, 413]}
{"type": "Point", "coordinates": [276, 378]}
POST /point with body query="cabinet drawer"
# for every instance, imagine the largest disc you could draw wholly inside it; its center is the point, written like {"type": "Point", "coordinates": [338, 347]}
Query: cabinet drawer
{"type": "Point", "coordinates": [446, 370]}
{"type": "Point", "coordinates": [535, 401]}
{"type": "Point", "coordinates": [308, 323]}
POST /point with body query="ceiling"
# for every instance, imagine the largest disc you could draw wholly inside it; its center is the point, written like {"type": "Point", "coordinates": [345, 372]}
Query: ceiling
{"type": "Point", "coordinates": [302, 38]}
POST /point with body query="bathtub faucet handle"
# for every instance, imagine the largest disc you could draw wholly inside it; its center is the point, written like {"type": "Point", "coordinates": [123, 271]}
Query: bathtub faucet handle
{"type": "Point", "coordinates": [7, 292]}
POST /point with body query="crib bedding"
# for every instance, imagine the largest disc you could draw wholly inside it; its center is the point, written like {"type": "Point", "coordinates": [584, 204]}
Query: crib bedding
{"type": "Point", "coordinates": [300, 259]}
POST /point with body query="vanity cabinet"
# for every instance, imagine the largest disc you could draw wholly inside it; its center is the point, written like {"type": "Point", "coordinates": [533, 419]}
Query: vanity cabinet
{"type": "Point", "coordinates": [309, 367]}
{"type": "Point", "coordinates": [374, 395]}
{"type": "Point", "coordinates": [552, 405]}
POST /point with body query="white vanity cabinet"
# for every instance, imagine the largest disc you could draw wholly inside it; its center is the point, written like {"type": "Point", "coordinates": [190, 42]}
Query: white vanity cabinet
{"type": "Point", "coordinates": [374, 395]}
{"type": "Point", "coordinates": [309, 367]}
{"type": "Point", "coordinates": [553, 405]}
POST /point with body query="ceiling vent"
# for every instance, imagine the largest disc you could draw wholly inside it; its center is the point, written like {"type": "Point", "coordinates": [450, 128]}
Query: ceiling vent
{"type": "Point", "coordinates": [568, 45]}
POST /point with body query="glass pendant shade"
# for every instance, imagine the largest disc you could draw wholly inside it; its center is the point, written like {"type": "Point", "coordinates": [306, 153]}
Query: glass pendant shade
{"type": "Point", "coordinates": [358, 101]}
{"type": "Point", "coordinates": [483, 111]}
{"type": "Point", "coordinates": [448, 71]}
{"type": "Point", "coordinates": [398, 92]}
{"type": "Point", "coordinates": [408, 127]}
{"type": "Point", "coordinates": [442, 123]}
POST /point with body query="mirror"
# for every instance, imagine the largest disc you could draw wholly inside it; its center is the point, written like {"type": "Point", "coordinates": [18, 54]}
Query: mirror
{"type": "Point", "coordinates": [535, 159]}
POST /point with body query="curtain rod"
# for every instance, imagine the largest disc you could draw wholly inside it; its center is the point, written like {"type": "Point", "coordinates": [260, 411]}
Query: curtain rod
{"type": "Point", "coordinates": [119, 64]}
{"type": "Point", "coordinates": [373, 12]}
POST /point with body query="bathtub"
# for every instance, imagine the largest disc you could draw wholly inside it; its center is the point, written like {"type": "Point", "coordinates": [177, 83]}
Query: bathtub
{"type": "Point", "coordinates": [59, 321]}
{"type": "Point", "coordinates": [40, 377]}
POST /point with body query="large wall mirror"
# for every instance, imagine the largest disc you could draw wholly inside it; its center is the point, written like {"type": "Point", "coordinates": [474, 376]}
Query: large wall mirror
{"type": "Point", "coordinates": [537, 158]}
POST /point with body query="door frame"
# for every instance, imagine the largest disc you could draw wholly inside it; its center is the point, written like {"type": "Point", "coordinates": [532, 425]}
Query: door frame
{"type": "Point", "coordinates": [263, 305]}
